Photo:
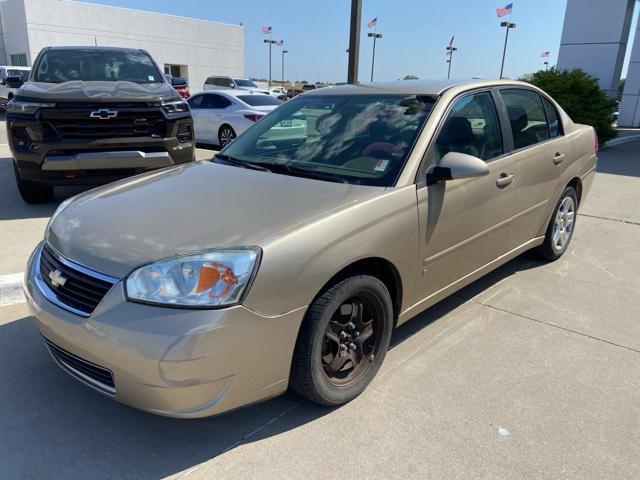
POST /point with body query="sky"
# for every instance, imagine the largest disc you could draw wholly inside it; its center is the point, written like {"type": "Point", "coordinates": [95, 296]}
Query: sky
{"type": "Point", "coordinates": [415, 34]}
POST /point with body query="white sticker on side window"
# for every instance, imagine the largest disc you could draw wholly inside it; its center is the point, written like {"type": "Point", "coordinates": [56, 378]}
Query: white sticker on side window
{"type": "Point", "coordinates": [381, 165]}
{"type": "Point", "coordinates": [151, 78]}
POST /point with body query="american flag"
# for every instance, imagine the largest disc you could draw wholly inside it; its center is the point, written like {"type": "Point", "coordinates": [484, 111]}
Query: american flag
{"type": "Point", "coordinates": [266, 30]}
{"type": "Point", "coordinates": [545, 54]}
{"type": "Point", "coordinates": [373, 22]}
{"type": "Point", "coordinates": [280, 43]}
{"type": "Point", "coordinates": [501, 12]}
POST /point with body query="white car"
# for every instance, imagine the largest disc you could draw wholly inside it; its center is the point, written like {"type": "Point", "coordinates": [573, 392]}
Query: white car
{"type": "Point", "coordinates": [219, 116]}
{"type": "Point", "coordinates": [7, 93]}
{"type": "Point", "coordinates": [278, 92]}
{"type": "Point", "coordinates": [222, 82]}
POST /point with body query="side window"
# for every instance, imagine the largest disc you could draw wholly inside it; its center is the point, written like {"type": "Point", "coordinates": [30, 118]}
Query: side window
{"type": "Point", "coordinates": [216, 101]}
{"type": "Point", "coordinates": [555, 129]}
{"type": "Point", "coordinates": [210, 81]}
{"type": "Point", "coordinates": [195, 101]}
{"type": "Point", "coordinates": [471, 127]}
{"type": "Point", "coordinates": [527, 117]}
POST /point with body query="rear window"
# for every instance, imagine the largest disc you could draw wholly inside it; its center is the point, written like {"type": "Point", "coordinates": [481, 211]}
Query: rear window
{"type": "Point", "coordinates": [18, 73]}
{"type": "Point", "coordinates": [58, 66]}
{"type": "Point", "coordinates": [259, 100]}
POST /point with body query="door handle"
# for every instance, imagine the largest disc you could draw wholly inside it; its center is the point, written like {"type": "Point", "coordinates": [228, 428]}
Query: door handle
{"type": "Point", "coordinates": [504, 180]}
{"type": "Point", "coordinates": [559, 158]}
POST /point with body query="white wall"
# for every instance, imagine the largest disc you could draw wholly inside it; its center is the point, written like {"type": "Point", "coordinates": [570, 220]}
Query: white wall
{"type": "Point", "coordinates": [14, 29]}
{"type": "Point", "coordinates": [207, 48]}
{"type": "Point", "coordinates": [630, 105]}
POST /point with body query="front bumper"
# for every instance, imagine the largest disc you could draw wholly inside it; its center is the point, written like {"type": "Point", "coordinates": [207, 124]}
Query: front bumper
{"type": "Point", "coordinates": [171, 361]}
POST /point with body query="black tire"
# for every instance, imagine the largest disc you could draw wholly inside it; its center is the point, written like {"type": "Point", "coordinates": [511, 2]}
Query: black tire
{"type": "Point", "coordinates": [32, 192]}
{"type": "Point", "coordinates": [308, 375]}
{"type": "Point", "coordinates": [226, 135]}
{"type": "Point", "coordinates": [549, 249]}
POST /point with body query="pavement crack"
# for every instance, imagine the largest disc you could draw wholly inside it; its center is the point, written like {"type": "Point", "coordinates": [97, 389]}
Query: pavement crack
{"type": "Point", "coordinates": [550, 324]}
{"type": "Point", "coordinates": [629, 222]}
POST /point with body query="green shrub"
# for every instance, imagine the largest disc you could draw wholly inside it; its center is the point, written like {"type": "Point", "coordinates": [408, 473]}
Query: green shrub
{"type": "Point", "coordinates": [580, 96]}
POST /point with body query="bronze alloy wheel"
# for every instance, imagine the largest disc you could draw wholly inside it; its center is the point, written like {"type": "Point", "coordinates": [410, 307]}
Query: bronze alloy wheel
{"type": "Point", "coordinates": [352, 340]}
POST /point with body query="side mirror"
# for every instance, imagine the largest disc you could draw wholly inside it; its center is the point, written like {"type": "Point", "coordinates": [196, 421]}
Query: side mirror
{"type": "Point", "coordinates": [14, 82]}
{"type": "Point", "coordinates": [455, 165]}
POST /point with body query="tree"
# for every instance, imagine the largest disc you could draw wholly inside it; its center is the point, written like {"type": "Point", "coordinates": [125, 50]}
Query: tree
{"type": "Point", "coordinates": [410, 77]}
{"type": "Point", "coordinates": [579, 94]}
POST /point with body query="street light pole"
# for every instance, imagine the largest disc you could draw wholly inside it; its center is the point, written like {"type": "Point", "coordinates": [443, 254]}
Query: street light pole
{"type": "Point", "coordinates": [375, 36]}
{"type": "Point", "coordinates": [354, 41]}
{"type": "Point", "coordinates": [546, 66]}
{"type": "Point", "coordinates": [270, 42]}
{"type": "Point", "coordinates": [283, 52]}
{"type": "Point", "coordinates": [508, 26]}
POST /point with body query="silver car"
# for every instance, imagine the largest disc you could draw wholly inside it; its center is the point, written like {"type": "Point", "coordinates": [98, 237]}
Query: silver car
{"type": "Point", "coordinates": [287, 262]}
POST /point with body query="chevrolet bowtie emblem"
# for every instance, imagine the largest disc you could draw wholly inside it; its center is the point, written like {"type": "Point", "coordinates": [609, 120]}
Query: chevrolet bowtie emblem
{"type": "Point", "coordinates": [104, 114]}
{"type": "Point", "coordinates": [57, 280]}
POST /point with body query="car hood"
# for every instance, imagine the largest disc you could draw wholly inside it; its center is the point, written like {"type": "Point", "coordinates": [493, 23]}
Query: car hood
{"type": "Point", "coordinates": [81, 91]}
{"type": "Point", "coordinates": [188, 208]}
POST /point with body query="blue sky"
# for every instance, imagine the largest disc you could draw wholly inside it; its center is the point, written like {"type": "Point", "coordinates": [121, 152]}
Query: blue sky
{"type": "Point", "coordinates": [415, 34]}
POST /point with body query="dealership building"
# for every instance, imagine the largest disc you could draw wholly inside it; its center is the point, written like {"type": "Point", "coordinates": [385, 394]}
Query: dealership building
{"type": "Point", "coordinates": [187, 47]}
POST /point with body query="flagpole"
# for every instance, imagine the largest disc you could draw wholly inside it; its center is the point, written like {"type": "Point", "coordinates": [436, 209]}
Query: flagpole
{"type": "Point", "coordinates": [270, 43]}
{"type": "Point", "coordinates": [450, 62]}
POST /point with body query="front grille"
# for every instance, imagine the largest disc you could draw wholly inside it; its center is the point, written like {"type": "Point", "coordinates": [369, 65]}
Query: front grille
{"type": "Point", "coordinates": [79, 290]}
{"type": "Point", "coordinates": [90, 373]}
{"type": "Point", "coordinates": [184, 133]}
{"type": "Point", "coordinates": [71, 121]}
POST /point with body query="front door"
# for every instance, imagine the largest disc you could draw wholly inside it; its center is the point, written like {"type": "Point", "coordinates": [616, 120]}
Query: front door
{"type": "Point", "coordinates": [464, 224]}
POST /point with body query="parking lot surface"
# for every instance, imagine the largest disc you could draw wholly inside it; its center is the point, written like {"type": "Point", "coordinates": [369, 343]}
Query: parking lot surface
{"type": "Point", "coordinates": [530, 372]}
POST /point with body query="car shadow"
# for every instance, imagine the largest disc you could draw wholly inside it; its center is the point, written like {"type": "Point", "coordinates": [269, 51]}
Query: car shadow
{"type": "Point", "coordinates": [621, 159]}
{"type": "Point", "coordinates": [54, 427]}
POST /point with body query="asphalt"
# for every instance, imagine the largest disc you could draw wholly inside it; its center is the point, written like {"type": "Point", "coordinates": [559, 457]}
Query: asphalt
{"type": "Point", "coordinates": [530, 372]}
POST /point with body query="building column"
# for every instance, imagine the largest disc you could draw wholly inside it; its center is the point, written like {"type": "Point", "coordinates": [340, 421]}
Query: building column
{"type": "Point", "coordinates": [630, 105]}
{"type": "Point", "coordinates": [594, 38]}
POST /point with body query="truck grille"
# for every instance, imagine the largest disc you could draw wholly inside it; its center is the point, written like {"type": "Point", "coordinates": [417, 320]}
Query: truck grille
{"type": "Point", "coordinates": [80, 292]}
{"type": "Point", "coordinates": [69, 122]}
{"type": "Point", "coordinates": [87, 372]}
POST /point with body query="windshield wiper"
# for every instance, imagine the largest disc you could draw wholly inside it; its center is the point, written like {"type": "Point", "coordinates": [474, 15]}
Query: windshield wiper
{"type": "Point", "coordinates": [302, 172]}
{"type": "Point", "coordinates": [240, 163]}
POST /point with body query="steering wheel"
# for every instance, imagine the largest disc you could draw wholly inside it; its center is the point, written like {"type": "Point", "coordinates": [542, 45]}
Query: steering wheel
{"type": "Point", "coordinates": [384, 147]}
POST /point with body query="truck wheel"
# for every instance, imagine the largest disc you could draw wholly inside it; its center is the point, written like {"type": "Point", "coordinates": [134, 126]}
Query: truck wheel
{"type": "Point", "coordinates": [32, 192]}
{"type": "Point", "coordinates": [342, 341]}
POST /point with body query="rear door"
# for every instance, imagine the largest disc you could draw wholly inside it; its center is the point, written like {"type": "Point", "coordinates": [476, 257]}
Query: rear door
{"type": "Point", "coordinates": [540, 153]}
{"type": "Point", "coordinates": [464, 223]}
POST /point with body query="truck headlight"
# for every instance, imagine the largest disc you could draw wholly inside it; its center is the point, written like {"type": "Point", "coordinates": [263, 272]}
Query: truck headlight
{"type": "Point", "coordinates": [26, 107]}
{"type": "Point", "coordinates": [176, 106]}
{"type": "Point", "coordinates": [212, 278]}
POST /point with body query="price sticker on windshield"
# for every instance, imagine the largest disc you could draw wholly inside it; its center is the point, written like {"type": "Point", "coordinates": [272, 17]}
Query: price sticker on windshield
{"type": "Point", "coordinates": [381, 165]}
{"type": "Point", "coordinates": [285, 123]}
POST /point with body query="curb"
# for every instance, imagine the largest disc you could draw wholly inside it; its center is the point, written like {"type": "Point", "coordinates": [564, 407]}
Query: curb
{"type": "Point", "coordinates": [11, 289]}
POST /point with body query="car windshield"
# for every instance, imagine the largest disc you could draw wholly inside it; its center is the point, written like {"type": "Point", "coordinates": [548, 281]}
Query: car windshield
{"type": "Point", "coordinates": [58, 66]}
{"type": "Point", "coordinates": [242, 82]}
{"type": "Point", "coordinates": [259, 100]}
{"type": "Point", "coordinates": [359, 139]}
{"type": "Point", "coordinates": [18, 73]}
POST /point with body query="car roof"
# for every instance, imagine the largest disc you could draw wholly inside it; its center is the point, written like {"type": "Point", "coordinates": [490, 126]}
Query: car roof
{"type": "Point", "coordinates": [91, 48]}
{"type": "Point", "coordinates": [409, 87]}
{"type": "Point", "coordinates": [232, 92]}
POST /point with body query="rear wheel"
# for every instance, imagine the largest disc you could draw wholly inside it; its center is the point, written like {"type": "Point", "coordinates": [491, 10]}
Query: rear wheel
{"type": "Point", "coordinates": [226, 135]}
{"type": "Point", "coordinates": [343, 341]}
{"type": "Point", "coordinates": [32, 192]}
{"type": "Point", "coordinates": [561, 226]}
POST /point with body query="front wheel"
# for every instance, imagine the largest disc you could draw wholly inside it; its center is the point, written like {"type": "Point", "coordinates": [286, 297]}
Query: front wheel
{"type": "Point", "coordinates": [226, 135]}
{"type": "Point", "coordinates": [32, 192]}
{"type": "Point", "coordinates": [561, 226]}
{"type": "Point", "coordinates": [343, 341]}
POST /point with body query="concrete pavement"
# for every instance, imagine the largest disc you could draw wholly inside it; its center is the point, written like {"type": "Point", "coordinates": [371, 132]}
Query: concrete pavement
{"type": "Point", "coordinates": [531, 372]}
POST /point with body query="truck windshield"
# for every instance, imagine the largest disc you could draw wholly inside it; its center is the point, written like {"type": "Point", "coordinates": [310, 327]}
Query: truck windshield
{"type": "Point", "coordinates": [58, 66]}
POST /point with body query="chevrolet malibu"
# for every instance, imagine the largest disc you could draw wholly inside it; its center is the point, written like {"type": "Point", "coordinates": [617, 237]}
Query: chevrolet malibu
{"type": "Point", "coordinates": [287, 262]}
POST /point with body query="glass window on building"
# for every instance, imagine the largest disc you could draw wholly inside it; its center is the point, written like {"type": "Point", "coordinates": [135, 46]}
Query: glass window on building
{"type": "Point", "coordinates": [19, 60]}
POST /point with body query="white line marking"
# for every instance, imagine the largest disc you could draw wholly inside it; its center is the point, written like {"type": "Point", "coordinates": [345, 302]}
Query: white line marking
{"type": "Point", "coordinates": [11, 289]}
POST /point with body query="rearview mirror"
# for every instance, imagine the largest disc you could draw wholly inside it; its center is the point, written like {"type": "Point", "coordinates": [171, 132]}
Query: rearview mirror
{"type": "Point", "coordinates": [456, 165]}
{"type": "Point", "coordinates": [14, 82]}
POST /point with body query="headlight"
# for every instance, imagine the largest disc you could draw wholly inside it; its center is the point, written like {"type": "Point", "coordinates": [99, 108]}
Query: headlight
{"type": "Point", "coordinates": [177, 106]}
{"type": "Point", "coordinates": [26, 108]}
{"type": "Point", "coordinates": [208, 279]}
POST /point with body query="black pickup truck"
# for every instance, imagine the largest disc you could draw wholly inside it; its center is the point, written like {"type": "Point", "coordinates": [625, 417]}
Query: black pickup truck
{"type": "Point", "coordinates": [92, 115]}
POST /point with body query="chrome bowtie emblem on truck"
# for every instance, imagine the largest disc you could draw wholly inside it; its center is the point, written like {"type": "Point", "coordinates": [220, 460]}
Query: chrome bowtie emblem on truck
{"type": "Point", "coordinates": [104, 114]}
{"type": "Point", "coordinates": [57, 280]}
